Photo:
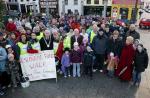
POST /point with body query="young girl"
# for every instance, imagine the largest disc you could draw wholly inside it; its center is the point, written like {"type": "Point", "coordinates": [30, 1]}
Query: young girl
{"type": "Point", "coordinates": [13, 69]}
{"type": "Point", "coordinates": [140, 64]}
{"type": "Point", "coordinates": [65, 61]}
{"type": "Point", "coordinates": [76, 59]}
{"type": "Point", "coordinates": [112, 62]}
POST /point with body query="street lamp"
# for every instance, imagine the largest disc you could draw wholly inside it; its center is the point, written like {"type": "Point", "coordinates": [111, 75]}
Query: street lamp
{"type": "Point", "coordinates": [63, 7]}
{"type": "Point", "coordinates": [105, 2]}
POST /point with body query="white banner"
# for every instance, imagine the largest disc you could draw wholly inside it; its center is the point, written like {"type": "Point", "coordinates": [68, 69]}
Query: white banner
{"type": "Point", "coordinates": [39, 66]}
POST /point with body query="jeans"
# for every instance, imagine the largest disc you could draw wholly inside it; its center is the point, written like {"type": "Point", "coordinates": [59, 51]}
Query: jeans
{"type": "Point", "coordinates": [76, 69]}
{"type": "Point", "coordinates": [67, 71]}
{"type": "Point", "coordinates": [136, 77]}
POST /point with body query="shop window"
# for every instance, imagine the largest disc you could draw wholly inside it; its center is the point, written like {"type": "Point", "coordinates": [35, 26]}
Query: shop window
{"type": "Point", "coordinates": [21, 0]}
{"type": "Point", "coordinates": [75, 2]}
{"type": "Point", "coordinates": [66, 2]}
{"type": "Point", "coordinates": [88, 1]}
{"type": "Point", "coordinates": [96, 1]}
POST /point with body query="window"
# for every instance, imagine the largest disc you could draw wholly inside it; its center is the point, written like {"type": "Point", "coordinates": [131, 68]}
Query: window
{"type": "Point", "coordinates": [75, 2]}
{"type": "Point", "coordinates": [88, 1]}
{"type": "Point", "coordinates": [9, 0]}
{"type": "Point", "coordinates": [66, 2]}
{"type": "Point", "coordinates": [21, 0]}
{"type": "Point", "coordinates": [96, 1]}
{"type": "Point", "coordinates": [15, 0]}
{"type": "Point", "coordinates": [27, 0]}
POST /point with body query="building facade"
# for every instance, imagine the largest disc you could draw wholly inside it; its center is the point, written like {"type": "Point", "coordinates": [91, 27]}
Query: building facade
{"type": "Point", "coordinates": [71, 6]}
{"type": "Point", "coordinates": [24, 6]}
{"type": "Point", "coordinates": [97, 7]}
{"type": "Point", "coordinates": [124, 9]}
{"type": "Point", "coordinates": [51, 4]}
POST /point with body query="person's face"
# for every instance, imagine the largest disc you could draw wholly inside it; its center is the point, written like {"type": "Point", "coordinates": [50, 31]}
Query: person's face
{"type": "Point", "coordinates": [76, 32]}
{"type": "Point", "coordinates": [101, 33]}
{"type": "Point", "coordinates": [1, 37]}
{"type": "Point", "coordinates": [23, 38]}
{"type": "Point", "coordinates": [95, 28]}
{"type": "Point", "coordinates": [9, 50]}
{"type": "Point", "coordinates": [47, 34]}
{"type": "Point", "coordinates": [33, 36]}
{"type": "Point", "coordinates": [128, 41]}
{"type": "Point", "coordinates": [140, 48]}
{"type": "Point", "coordinates": [103, 26]}
{"type": "Point", "coordinates": [107, 29]}
{"type": "Point", "coordinates": [115, 36]}
{"type": "Point", "coordinates": [136, 43]}
{"type": "Point", "coordinates": [66, 52]}
{"type": "Point", "coordinates": [13, 36]}
{"type": "Point", "coordinates": [132, 28]}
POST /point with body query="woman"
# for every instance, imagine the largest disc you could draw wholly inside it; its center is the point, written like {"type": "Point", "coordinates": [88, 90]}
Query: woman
{"type": "Point", "coordinates": [46, 42]}
{"type": "Point", "coordinates": [22, 46]}
{"type": "Point", "coordinates": [115, 44]}
{"type": "Point", "coordinates": [125, 67]}
{"type": "Point", "coordinates": [34, 45]}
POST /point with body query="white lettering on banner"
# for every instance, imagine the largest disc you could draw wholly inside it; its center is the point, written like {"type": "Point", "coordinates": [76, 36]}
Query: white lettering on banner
{"type": "Point", "coordinates": [39, 66]}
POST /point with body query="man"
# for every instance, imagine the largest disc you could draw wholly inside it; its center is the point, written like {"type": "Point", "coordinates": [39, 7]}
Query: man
{"type": "Point", "coordinates": [11, 26]}
{"type": "Point", "coordinates": [99, 46]}
{"type": "Point", "coordinates": [76, 38]}
{"type": "Point", "coordinates": [132, 32]}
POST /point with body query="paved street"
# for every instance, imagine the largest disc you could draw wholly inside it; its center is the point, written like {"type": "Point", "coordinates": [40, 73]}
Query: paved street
{"type": "Point", "coordinates": [100, 87]}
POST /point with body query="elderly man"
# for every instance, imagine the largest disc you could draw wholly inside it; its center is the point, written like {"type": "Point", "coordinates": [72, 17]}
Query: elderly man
{"type": "Point", "coordinates": [132, 32]}
{"type": "Point", "coordinates": [76, 38]}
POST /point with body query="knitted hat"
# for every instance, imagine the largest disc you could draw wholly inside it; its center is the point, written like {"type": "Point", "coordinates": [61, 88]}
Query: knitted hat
{"type": "Point", "coordinates": [8, 46]}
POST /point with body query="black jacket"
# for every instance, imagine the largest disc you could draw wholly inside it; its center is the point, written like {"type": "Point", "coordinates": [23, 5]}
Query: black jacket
{"type": "Point", "coordinates": [134, 34]}
{"type": "Point", "coordinates": [141, 61]}
{"type": "Point", "coordinates": [115, 46]}
{"type": "Point", "coordinates": [88, 58]}
{"type": "Point", "coordinates": [99, 44]}
{"type": "Point", "coordinates": [79, 40]}
{"type": "Point", "coordinates": [44, 46]}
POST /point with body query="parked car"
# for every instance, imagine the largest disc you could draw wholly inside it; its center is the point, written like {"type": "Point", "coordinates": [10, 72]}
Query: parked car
{"type": "Point", "coordinates": [144, 23]}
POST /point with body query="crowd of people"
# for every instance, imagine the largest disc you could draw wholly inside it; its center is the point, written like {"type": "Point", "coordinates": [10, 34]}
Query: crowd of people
{"type": "Point", "coordinates": [82, 45]}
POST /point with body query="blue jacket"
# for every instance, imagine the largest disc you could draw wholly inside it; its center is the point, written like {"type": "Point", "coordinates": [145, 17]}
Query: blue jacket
{"type": "Point", "coordinates": [3, 58]}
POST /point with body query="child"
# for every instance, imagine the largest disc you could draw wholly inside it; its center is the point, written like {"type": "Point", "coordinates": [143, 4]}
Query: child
{"type": "Point", "coordinates": [88, 61]}
{"type": "Point", "coordinates": [112, 62]}
{"type": "Point", "coordinates": [13, 70]}
{"type": "Point", "coordinates": [76, 59]}
{"type": "Point", "coordinates": [140, 64]}
{"type": "Point", "coordinates": [65, 61]}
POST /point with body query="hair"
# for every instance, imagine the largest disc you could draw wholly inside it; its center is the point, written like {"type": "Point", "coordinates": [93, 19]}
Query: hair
{"type": "Point", "coordinates": [66, 49]}
{"type": "Point", "coordinates": [140, 45]}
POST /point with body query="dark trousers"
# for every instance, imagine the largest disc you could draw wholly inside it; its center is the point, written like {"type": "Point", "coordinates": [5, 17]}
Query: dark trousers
{"type": "Point", "coordinates": [4, 79]}
{"type": "Point", "coordinates": [88, 70]}
{"type": "Point", "coordinates": [99, 64]}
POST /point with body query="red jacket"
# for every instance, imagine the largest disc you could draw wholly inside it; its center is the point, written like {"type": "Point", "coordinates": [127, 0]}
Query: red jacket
{"type": "Point", "coordinates": [11, 27]}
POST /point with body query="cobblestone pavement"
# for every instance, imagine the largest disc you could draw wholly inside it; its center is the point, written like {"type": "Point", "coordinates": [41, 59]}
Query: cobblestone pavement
{"type": "Point", "coordinates": [100, 87]}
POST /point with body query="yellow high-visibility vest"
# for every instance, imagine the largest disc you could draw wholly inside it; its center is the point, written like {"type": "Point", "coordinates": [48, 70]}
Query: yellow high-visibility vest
{"type": "Point", "coordinates": [36, 46]}
{"type": "Point", "coordinates": [92, 36]}
{"type": "Point", "coordinates": [67, 42]}
{"type": "Point", "coordinates": [23, 48]}
{"type": "Point", "coordinates": [40, 36]}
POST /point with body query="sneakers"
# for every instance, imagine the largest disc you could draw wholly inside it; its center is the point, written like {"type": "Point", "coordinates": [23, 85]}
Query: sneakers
{"type": "Point", "coordinates": [101, 71]}
{"type": "Point", "coordinates": [65, 76]}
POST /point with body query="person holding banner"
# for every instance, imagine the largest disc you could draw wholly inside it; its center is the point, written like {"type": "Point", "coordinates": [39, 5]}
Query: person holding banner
{"type": "Point", "coordinates": [34, 45]}
{"type": "Point", "coordinates": [22, 46]}
{"type": "Point", "coordinates": [46, 42]}
{"type": "Point", "coordinates": [125, 68]}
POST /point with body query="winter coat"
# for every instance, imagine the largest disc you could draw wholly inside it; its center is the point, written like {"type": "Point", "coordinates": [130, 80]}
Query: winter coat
{"type": "Point", "coordinates": [65, 61]}
{"type": "Point", "coordinates": [99, 44]}
{"type": "Point", "coordinates": [44, 46]}
{"type": "Point", "coordinates": [88, 58]}
{"type": "Point", "coordinates": [3, 57]}
{"type": "Point", "coordinates": [11, 27]}
{"type": "Point", "coordinates": [79, 40]}
{"type": "Point", "coordinates": [12, 67]}
{"type": "Point", "coordinates": [76, 56]}
{"type": "Point", "coordinates": [115, 46]}
{"type": "Point", "coordinates": [134, 34]}
{"type": "Point", "coordinates": [141, 61]}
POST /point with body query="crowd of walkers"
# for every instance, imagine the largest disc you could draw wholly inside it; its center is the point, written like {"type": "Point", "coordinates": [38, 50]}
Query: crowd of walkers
{"type": "Point", "coordinates": [82, 45]}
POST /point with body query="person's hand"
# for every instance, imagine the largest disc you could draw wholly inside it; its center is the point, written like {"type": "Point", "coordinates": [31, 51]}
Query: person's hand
{"type": "Point", "coordinates": [81, 63]}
